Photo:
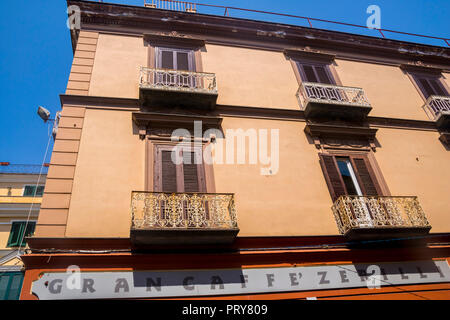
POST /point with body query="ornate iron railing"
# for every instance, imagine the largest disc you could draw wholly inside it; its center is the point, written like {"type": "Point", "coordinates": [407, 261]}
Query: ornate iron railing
{"type": "Point", "coordinates": [378, 212]}
{"type": "Point", "coordinates": [178, 80]}
{"type": "Point", "coordinates": [327, 93]}
{"type": "Point", "coordinates": [159, 210]}
{"type": "Point", "coordinates": [436, 105]}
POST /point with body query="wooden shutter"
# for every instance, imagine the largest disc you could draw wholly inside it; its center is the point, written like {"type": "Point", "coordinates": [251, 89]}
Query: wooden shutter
{"type": "Point", "coordinates": [333, 178]}
{"type": "Point", "coordinates": [430, 86]}
{"type": "Point", "coordinates": [15, 234]}
{"type": "Point", "coordinates": [365, 175]}
{"type": "Point", "coordinates": [29, 191]}
{"type": "Point", "coordinates": [315, 73]}
{"type": "Point", "coordinates": [309, 73]}
{"type": "Point", "coordinates": [30, 230]}
{"type": "Point", "coordinates": [190, 172]}
{"type": "Point", "coordinates": [187, 176]}
{"type": "Point", "coordinates": [168, 172]}
{"type": "Point", "coordinates": [322, 74]}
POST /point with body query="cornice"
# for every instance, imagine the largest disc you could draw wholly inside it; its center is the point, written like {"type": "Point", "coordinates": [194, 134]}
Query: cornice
{"type": "Point", "coordinates": [240, 112]}
{"type": "Point", "coordinates": [212, 28]}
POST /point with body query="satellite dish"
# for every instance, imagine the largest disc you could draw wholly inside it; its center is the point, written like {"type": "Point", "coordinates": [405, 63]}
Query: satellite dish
{"type": "Point", "coordinates": [43, 113]}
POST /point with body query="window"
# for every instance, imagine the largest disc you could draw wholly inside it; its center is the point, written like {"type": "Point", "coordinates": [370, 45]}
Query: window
{"type": "Point", "coordinates": [315, 72]}
{"type": "Point", "coordinates": [175, 59]}
{"type": "Point", "coordinates": [32, 191]}
{"type": "Point", "coordinates": [18, 233]}
{"type": "Point", "coordinates": [10, 285]}
{"type": "Point", "coordinates": [186, 174]}
{"type": "Point", "coordinates": [349, 174]}
{"type": "Point", "coordinates": [430, 85]}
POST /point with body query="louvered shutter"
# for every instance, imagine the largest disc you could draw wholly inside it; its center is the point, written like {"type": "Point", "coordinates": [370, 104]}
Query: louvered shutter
{"type": "Point", "coordinates": [16, 233]}
{"type": "Point", "coordinates": [29, 231]}
{"type": "Point", "coordinates": [431, 86]}
{"type": "Point", "coordinates": [168, 172]}
{"type": "Point", "coordinates": [426, 88]}
{"type": "Point", "coordinates": [322, 75]}
{"type": "Point", "coordinates": [366, 176]}
{"type": "Point", "coordinates": [437, 87]}
{"type": "Point", "coordinates": [332, 176]}
{"type": "Point", "coordinates": [309, 73]}
{"type": "Point", "coordinates": [190, 172]}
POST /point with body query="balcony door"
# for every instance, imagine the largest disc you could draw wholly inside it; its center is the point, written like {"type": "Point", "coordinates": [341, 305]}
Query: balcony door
{"type": "Point", "coordinates": [179, 169]}
{"type": "Point", "coordinates": [351, 175]}
{"type": "Point", "coordinates": [175, 60]}
{"type": "Point", "coordinates": [320, 73]}
{"type": "Point", "coordinates": [314, 72]}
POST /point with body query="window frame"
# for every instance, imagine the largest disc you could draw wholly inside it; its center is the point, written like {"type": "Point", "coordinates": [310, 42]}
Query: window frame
{"type": "Point", "coordinates": [371, 165]}
{"type": "Point", "coordinates": [22, 231]}
{"type": "Point", "coordinates": [35, 190]}
{"type": "Point", "coordinates": [157, 167]}
{"type": "Point", "coordinates": [415, 76]}
{"type": "Point", "coordinates": [190, 52]}
{"type": "Point", "coordinates": [299, 63]}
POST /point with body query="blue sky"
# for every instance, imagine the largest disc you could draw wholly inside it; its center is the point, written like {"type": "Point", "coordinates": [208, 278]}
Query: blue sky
{"type": "Point", "coordinates": [36, 53]}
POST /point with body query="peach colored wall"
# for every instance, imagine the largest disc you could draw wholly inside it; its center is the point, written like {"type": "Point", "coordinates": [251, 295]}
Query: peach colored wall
{"type": "Point", "coordinates": [389, 90]}
{"type": "Point", "coordinates": [110, 165]}
{"type": "Point", "coordinates": [295, 201]}
{"type": "Point", "coordinates": [252, 78]}
{"type": "Point", "coordinates": [116, 67]}
{"type": "Point", "coordinates": [415, 163]}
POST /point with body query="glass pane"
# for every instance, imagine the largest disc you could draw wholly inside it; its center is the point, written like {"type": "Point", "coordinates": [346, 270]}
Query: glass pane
{"type": "Point", "coordinates": [343, 165]}
{"type": "Point", "coordinates": [182, 61]}
{"type": "Point", "coordinates": [167, 59]}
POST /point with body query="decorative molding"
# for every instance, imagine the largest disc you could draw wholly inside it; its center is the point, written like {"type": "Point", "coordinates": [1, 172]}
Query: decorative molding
{"type": "Point", "coordinates": [420, 66]}
{"type": "Point", "coordinates": [308, 53]}
{"type": "Point", "coordinates": [339, 134]}
{"type": "Point", "coordinates": [159, 124]}
{"type": "Point", "coordinates": [173, 38]}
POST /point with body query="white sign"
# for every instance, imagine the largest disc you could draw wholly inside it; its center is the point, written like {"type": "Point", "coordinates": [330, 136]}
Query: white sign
{"type": "Point", "coordinates": [184, 283]}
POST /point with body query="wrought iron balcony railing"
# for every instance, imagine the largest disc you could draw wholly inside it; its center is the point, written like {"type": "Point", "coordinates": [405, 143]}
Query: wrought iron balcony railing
{"type": "Point", "coordinates": [330, 94]}
{"type": "Point", "coordinates": [375, 212]}
{"type": "Point", "coordinates": [159, 210]}
{"type": "Point", "coordinates": [435, 106]}
{"type": "Point", "coordinates": [178, 80]}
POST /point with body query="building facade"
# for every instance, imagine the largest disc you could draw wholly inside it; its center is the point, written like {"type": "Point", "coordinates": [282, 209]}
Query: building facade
{"type": "Point", "coordinates": [21, 190]}
{"type": "Point", "coordinates": [202, 156]}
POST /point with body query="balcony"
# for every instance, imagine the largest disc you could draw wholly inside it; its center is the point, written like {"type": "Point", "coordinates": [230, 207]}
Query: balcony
{"type": "Point", "coordinates": [175, 88]}
{"type": "Point", "coordinates": [438, 110]}
{"type": "Point", "coordinates": [375, 217]}
{"type": "Point", "coordinates": [320, 100]}
{"type": "Point", "coordinates": [182, 219]}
